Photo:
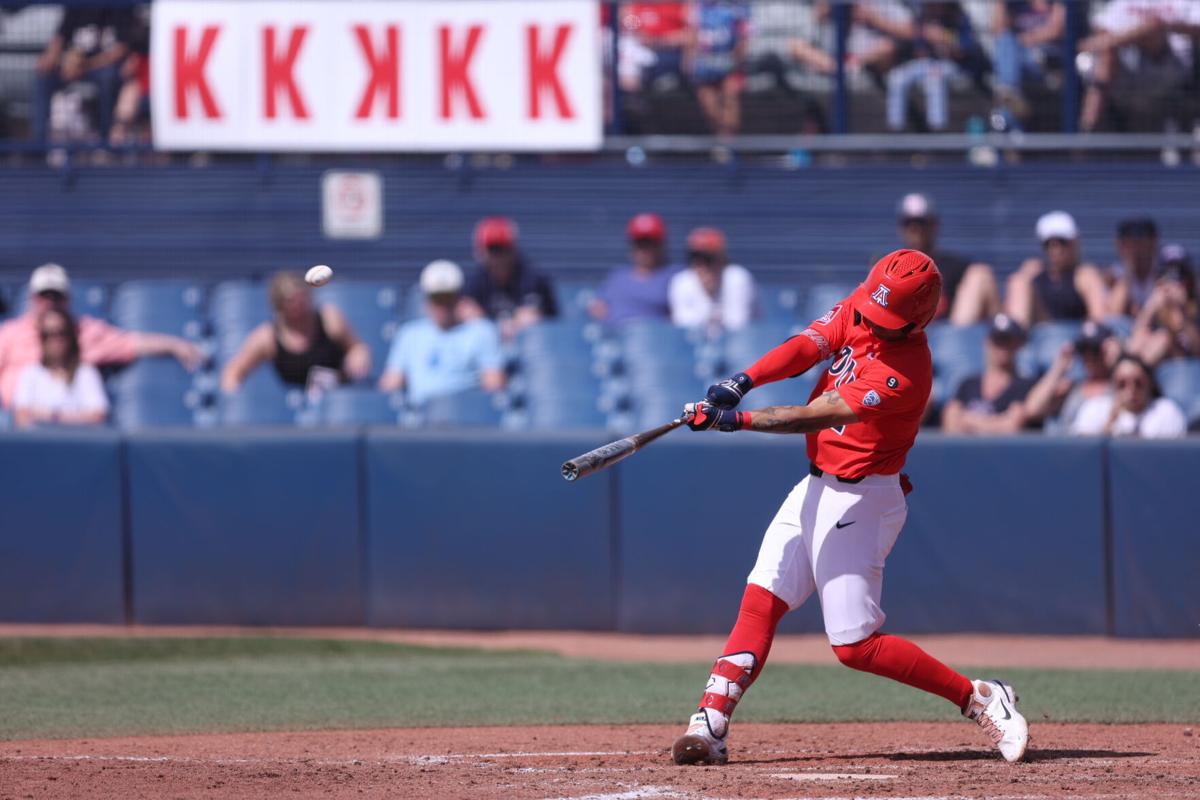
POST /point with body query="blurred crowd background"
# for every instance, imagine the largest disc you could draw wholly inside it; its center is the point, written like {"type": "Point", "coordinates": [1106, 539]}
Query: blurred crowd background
{"type": "Point", "coordinates": [1057, 337]}
{"type": "Point", "coordinates": [723, 67]}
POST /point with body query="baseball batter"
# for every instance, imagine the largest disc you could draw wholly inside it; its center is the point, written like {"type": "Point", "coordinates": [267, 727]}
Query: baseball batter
{"type": "Point", "coordinates": [836, 528]}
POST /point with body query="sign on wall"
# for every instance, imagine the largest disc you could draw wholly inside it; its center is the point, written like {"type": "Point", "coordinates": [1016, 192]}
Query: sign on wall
{"type": "Point", "coordinates": [351, 205]}
{"type": "Point", "coordinates": [387, 75]}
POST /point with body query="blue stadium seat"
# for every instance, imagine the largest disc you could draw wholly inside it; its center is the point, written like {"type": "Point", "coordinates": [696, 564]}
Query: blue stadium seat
{"type": "Point", "coordinates": [358, 406]}
{"type": "Point", "coordinates": [556, 339]}
{"type": "Point", "coordinates": [472, 408]}
{"type": "Point", "coordinates": [1180, 381]}
{"type": "Point", "coordinates": [88, 299]}
{"type": "Point", "coordinates": [1045, 340]}
{"type": "Point", "coordinates": [162, 306]}
{"type": "Point", "coordinates": [371, 308]}
{"type": "Point", "coordinates": [235, 308]}
{"type": "Point", "coordinates": [957, 354]}
{"type": "Point", "coordinates": [779, 304]}
{"type": "Point", "coordinates": [262, 400]}
{"type": "Point", "coordinates": [742, 348]}
{"type": "Point", "coordinates": [8, 301]}
{"type": "Point", "coordinates": [412, 305]}
{"type": "Point", "coordinates": [574, 299]}
{"type": "Point", "coordinates": [154, 392]}
{"type": "Point", "coordinates": [656, 407]}
{"type": "Point", "coordinates": [820, 298]}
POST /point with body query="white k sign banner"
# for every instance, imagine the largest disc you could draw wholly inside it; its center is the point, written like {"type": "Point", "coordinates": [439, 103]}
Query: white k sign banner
{"type": "Point", "coordinates": [385, 75]}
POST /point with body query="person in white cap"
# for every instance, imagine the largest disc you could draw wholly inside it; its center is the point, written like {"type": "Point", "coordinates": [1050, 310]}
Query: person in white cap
{"type": "Point", "coordinates": [1058, 285]}
{"type": "Point", "coordinates": [442, 353]}
{"type": "Point", "coordinates": [99, 342]}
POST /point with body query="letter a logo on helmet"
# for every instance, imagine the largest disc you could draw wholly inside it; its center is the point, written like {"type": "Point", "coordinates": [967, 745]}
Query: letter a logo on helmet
{"type": "Point", "coordinates": [903, 289]}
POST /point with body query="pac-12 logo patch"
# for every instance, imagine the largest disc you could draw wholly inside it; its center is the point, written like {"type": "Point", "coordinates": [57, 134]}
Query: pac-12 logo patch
{"type": "Point", "coordinates": [892, 382]}
{"type": "Point", "coordinates": [830, 314]}
{"type": "Point", "coordinates": [871, 398]}
{"type": "Point", "coordinates": [880, 295]}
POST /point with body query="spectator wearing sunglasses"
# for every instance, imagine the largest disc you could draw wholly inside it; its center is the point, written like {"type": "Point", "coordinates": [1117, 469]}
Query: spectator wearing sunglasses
{"type": "Point", "coordinates": [504, 287]}
{"type": "Point", "coordinates": [711, 294]}
{"type": "Point", "coordinates": [1058, 285]}
{"type": "Point", "coordinates": [59, 389]}
{"type": "Point", "coordinates": [99, 343]}
{"type": "Point", "coordinates": [1136, 406]}
{"type": "Point", "coordinates": [638, 290]}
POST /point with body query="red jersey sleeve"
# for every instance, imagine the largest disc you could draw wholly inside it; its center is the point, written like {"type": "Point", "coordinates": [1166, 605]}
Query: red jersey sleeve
{"type": "Point", "coordinates": [821, 339]}
{"type": "Point", "coordinates": [890, 384]}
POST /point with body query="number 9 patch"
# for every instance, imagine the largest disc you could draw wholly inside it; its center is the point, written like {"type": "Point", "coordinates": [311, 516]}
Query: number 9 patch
{"type": "Point", "coordinates": [892, 382]}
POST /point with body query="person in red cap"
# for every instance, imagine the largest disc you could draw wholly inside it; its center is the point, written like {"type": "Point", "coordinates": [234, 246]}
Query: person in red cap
{"type": "Point", "coordinates": [835, 529]}
{"type": "Point", "coordinates": [639, 289]}
{"type": "Point", "coordinates": [504, 286]}
{"type": "Point", "coordinates": [711, 294]}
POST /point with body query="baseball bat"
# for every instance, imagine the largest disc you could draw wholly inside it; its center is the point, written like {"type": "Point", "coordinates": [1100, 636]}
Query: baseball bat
{"type": "Point", "coordinates": [607, 455]}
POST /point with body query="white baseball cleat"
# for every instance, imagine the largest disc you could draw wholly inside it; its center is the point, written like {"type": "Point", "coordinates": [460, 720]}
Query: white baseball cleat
{"type": "Point", "coordinates": [994, 707]}
{"type": "Point", "coordinates": [699, 745]}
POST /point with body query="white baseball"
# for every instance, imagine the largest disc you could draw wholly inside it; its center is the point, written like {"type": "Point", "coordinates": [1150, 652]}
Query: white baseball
{"type": "Point", "coordinates": [318, 275]}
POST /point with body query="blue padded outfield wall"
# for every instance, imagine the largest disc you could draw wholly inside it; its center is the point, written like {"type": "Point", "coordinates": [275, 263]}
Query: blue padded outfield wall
{"type": "Point", "coordinates": [387, 528]}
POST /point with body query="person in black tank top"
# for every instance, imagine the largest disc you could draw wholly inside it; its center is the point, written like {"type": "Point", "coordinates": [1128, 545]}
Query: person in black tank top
{"type": "Point", "coordinates": [1057, 286]}
{"type": "Point", "coordinates": [301, 338]}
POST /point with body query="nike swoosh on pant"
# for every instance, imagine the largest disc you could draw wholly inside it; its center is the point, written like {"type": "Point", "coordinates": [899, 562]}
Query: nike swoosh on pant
{"type": "Point", "coordinates": [841, 525]}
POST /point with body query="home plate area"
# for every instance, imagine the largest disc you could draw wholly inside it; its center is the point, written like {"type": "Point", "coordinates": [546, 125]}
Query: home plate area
{"type": "Point", "coordinates": [607, 762]}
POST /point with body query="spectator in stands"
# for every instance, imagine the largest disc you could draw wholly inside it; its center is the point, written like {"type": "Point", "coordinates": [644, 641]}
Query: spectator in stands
{"type": "Point", "coordinates": [309, 346]}
{"type": "Point", "coordinates": [1136, 406]}
{"type": "Point", "coordinates": [715, 55]}
{"type": "Point", "coordinates": [504, 286]}
{"type": "Point", "coordinates": [131, 115]}
{"type": "Point", "coordinates": [879, 38]}
{"type": "Point", "coordinates": [994, 401]}
{"type": "Point", "coordinates": [1131, 279]}
{"type": "Point", "coordinates": [89, 46]}
{"type": "Point", "coordinates": [942, 44]}
{"type": "Point", "coordinates": [443, 354]}
{"type": "Point", "coordinates": [1141, 68]}
{"type": "Point", "coordinates": [653, 36]}
{"type": "Point", "coordinates": [1168, 325]}
{"type": "Point", "coordinates": [99, 343]}
{"type": "Point", "coordinates": [711, 295]}
{"type": "Point", "coordinates": [638, 291]}
{"type": "Point", "coordinates": [969, 292]}
{"type": "Point", "coordinates": [60, 389]}
{"type": "Point", "coordinates": [1029, 36]}
{"type": "Point", "coordinates": [1057, 286]}
{"type": "Point", "coordinates": [1057, 395]}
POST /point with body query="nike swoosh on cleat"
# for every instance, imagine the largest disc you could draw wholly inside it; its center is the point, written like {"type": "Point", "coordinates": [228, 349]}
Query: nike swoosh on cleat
{"type": "Point", "coordinates": [1006, 714]}
{"type": "Point", "coordinates": [841, 525]}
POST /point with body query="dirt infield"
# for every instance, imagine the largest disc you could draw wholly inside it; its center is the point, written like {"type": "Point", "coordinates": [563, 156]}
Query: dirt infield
{"type": "Point", "coordinates": [895, 760]}
{"type": "Point", "coordinates": [960, 649]}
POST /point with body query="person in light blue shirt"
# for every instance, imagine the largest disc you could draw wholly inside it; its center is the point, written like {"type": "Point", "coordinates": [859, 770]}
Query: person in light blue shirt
{"type": "Point", "coordinates": [441, 354]}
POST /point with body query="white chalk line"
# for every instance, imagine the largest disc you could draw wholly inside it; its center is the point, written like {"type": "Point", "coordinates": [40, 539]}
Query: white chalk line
{"type": "Point", "coordinates": [423, 760]}
{"type": "Point", "coordinates": [831, 776]}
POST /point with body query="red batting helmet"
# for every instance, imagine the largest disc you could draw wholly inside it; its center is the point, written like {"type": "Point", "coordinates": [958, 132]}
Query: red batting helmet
{"type": "Point", "coordinates": [495, 231]}
{"type": "Point", "coordinates": [647, 226]}
{"type": "Point", "coordinates": [902, 289]}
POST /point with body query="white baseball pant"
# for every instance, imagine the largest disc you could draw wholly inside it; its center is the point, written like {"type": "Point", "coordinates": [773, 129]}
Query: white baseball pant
{"type": "Point", "coordinates": [833, 537]}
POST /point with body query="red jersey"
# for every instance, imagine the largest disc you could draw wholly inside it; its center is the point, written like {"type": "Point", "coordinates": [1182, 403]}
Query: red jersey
{"type": "Point", "coordinates": [886, 383]}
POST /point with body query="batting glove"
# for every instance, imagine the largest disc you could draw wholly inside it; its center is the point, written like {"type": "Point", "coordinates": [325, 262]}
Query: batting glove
{"type": "Point", "coordinates": [728, 393]}
{"type": "Point", "coordinates": [703, 417]}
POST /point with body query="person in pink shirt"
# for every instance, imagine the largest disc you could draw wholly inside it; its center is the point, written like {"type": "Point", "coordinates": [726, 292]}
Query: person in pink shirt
{"type": "Point", "coordinates": [99, 342]}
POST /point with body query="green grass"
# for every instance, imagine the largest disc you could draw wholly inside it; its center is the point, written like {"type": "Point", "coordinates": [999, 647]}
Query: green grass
{"type": "Point", "coordinates": [105, 686]}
